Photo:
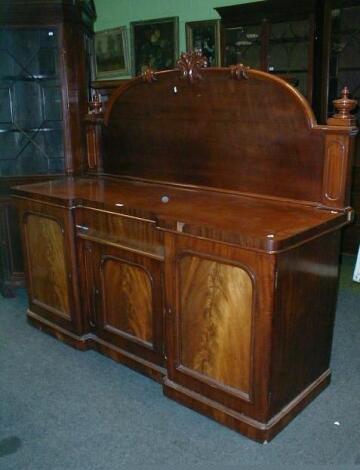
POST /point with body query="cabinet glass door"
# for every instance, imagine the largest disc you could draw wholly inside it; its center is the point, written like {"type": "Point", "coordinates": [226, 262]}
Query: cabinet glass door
{"type": "Point", "coordinates": [31, 119]}
{"type": "Point", "coordinates": [289, 53]}
{"type": "Point", "coordinates": [345, 54]}
{"type": "Point", "coordinates": [243, 46]}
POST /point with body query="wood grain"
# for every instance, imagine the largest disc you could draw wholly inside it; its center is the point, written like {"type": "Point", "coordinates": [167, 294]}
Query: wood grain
{"type": "Point", "coordinates": [136, 234]}
{"type": "Point", "coordinates": [46, 263]}
{"type": "Point", "coordinates": [247, 223]}
{"type": "Point", "coordinates": [304, 317]}
{"type": "Point", "coordinates": [246, 282]}
{"type": "Point", "coordinates": [127, 298]}
{"type": "Point", "coordinates": [234, 144]}
{"type": "Point", "coordinates": [216, 319]}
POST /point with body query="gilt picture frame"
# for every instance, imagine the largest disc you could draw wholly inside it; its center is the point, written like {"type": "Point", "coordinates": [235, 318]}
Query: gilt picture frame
{"type": "Point", "coordinates": [154, 44]}
{"type": "Point", "coordinates": [205, 36]}
{"type": "Point", "coordinates": [112, 53]}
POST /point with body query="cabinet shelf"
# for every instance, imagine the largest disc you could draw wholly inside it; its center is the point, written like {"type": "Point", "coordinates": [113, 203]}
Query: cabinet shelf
{"type": "Point", "coordinates": [286, 71]}
{"type": "Point", "coordinates": [299, 40]}
{"type": "Point", "coordinates": [43, 129]}
{"type": "Point", "coordinates": [31, 78]}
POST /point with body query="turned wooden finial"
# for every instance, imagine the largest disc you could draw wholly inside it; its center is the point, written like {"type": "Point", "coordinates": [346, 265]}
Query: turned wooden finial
{"type": "Point", "coordinates": [344, 106]}
{"type": "Point", "coordinates": [96, 105]}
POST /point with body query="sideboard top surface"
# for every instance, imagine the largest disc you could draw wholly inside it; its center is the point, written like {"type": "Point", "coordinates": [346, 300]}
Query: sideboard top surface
{"type": "Point", "coordinates": [257, 223]}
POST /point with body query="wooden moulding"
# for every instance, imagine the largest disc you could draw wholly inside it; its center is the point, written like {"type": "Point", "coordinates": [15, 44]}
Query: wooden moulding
{"type": "Point", "coordinates": [91, 341]}
{"type": "Point", "coordinates": [339, 148]}
{"type": "Point", "coordinates": [94, 124]}
{"type": "Point", "coordinates": [239, 422]}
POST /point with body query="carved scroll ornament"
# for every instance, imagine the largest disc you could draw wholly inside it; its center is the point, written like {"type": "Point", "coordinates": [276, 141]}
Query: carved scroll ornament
{"type": "Point", "coordinates": [190, 64]}
{"type": "Point", "coordinates": [239, 71]}
{"type": "Point", "coordinates": [148, 75]}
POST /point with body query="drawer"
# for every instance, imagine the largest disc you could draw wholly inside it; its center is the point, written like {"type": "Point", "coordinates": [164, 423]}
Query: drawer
{"type": "Point", "coordinates": [124, 231]}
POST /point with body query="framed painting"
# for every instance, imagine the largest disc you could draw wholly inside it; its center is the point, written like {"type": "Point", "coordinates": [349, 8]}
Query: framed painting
{"type": "Point", "coordinates": [111, 53]}
{"type": "Point", "coordinates": [205, 36]}
{"type": "Point", "coordinates": [154, 44]}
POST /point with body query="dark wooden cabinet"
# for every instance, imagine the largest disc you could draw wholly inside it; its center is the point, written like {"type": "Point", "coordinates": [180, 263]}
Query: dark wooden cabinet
{"type": "Point", "coordinates": [276, 36]}
{"type": "Point", "coordinates": [206, 236]}
{"type": "Point", "coordinates": [314, 45]}
{"type": "Point", "coordinates": [44, 90]}
{"type": "Point", "coordinates": [11, 258]}
{"type": "Point", "coordinates": [343, 68]}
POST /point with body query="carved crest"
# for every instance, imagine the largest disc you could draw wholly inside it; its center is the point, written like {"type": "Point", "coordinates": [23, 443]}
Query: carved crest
{"type": "Point", "coordinates": [190, 64]}
{"type": "Point", "coordinates": [148, 75]}
{"type": "Point", "coordinates": [239, 71]}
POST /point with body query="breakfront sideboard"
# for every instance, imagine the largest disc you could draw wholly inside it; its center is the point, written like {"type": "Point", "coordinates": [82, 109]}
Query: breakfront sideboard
{"type": "Point", "coordinates": [44, 83]}
{"type": "Point", "coordinates": [202, 246]}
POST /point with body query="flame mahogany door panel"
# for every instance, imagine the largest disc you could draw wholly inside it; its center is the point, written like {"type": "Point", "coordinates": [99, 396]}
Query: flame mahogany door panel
{"type": "Point", "coordinates": [217, 322]}
{"type": "Point", "coordinates": [50, 264]}
{"type": "Point", "coordinates": [124, 300]}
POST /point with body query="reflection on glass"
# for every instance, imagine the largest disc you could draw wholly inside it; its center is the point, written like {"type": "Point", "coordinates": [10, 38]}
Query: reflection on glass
{"type": "Point", "coordinates": [345, 54]}
{"type": "Point", "coordinates": [243, 46]}
{"type": "Point", "coordinates": [31, 122]}
{"type": "Point", "coordinates": [288, 52]}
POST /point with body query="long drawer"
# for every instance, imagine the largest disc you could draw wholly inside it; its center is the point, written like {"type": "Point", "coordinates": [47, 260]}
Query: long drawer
{"type": "Point", "coordinates": [138, 235]}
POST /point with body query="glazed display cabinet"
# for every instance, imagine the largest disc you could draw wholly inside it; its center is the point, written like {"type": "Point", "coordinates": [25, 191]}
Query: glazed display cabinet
{"type": "Point", "coordinates": [344, 68]}
{"type": "Point", "coordinates": [43, 94]}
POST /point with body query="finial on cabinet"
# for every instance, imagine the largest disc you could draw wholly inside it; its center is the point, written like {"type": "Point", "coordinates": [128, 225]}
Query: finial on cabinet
{"type": "Point", "coordinates": [344, 106]}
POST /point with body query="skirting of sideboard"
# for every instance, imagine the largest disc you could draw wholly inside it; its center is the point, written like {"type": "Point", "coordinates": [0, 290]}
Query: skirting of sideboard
{"type": "Point", "coordinates": [82, 343]}
{"type": "Point", "coordinates": [90, 341]}
{"type": "Point", "coordinates": [260, 432]}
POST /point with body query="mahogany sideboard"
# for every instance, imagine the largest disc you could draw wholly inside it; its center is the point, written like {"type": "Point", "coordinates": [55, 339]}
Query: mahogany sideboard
{"type": "Point", "coordinates": [202, 246]}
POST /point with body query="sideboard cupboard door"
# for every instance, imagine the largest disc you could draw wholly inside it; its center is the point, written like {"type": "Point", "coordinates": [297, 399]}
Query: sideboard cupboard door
{"type": "Point", "coordinates": [124, 301]}
{"type": "Point", "coordinates": [50, 264]}
{"type": "Point", "coordinates": [218, 323]}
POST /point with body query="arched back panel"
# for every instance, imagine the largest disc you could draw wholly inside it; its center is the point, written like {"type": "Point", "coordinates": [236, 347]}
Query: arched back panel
{"type": "Point", "coordinates": [249, 135]}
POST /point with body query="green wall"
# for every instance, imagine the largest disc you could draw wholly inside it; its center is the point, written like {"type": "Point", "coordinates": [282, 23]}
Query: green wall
{"type": "Point", "coordinates": [113, 13]}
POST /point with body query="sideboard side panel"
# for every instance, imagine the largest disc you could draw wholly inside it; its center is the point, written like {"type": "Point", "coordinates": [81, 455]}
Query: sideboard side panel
{"type": "Point", "coordinates": [307, 283]}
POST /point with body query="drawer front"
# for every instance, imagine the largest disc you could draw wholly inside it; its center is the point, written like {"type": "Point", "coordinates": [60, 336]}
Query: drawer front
{"type": "Point", "coordinates": [124, 231]}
